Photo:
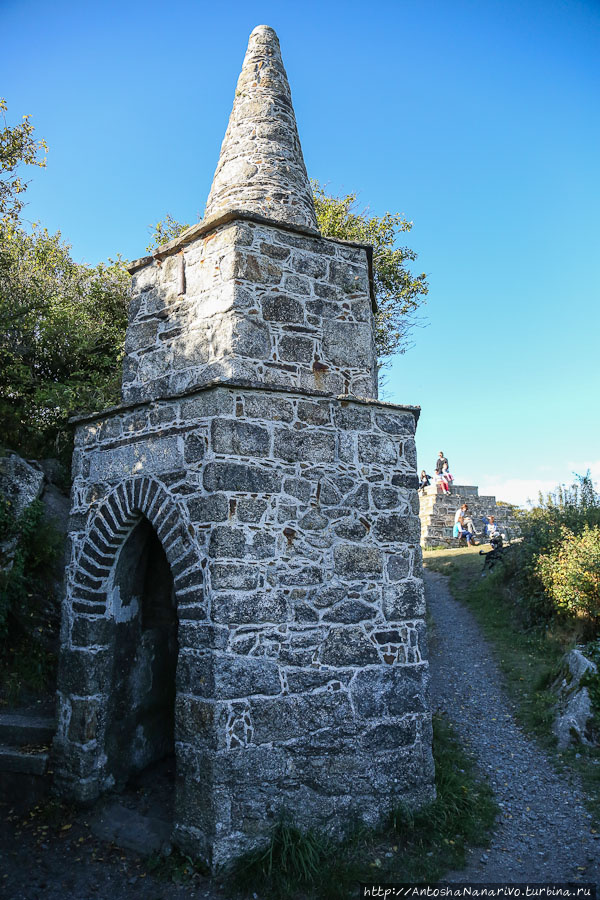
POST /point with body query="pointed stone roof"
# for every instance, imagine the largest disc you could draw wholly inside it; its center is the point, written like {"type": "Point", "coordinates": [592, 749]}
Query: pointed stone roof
{"type": "Point", "coordinates": [261, 168]}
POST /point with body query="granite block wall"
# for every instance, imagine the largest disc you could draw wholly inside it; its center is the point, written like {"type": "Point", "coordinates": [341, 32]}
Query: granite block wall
{"type": "Point", "coordinates": [251, 302]}
{"type": "Point", "coordinates": [289, 522]}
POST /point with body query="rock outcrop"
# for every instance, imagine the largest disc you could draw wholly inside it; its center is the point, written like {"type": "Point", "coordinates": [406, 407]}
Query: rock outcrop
{"type": "Point", "coordinates": [20, 482]}
{"type": "Point", "coordinates": [574, 719]}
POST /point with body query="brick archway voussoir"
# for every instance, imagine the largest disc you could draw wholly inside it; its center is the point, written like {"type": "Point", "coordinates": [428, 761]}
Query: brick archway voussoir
{"type": "Point", "coordinates": [115, 517]}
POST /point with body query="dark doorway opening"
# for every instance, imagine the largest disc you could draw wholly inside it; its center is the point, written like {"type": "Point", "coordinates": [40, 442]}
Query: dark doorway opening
{"type": "Point", "coordinates": [141, 714]}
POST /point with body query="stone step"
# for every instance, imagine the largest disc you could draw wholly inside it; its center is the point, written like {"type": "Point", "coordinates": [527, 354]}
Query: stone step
{"type": "Point", "coordinates": [19, 729]}
{"type": "Point", "coordinates": [431, 542]}
{"type": "Point", "coordinates": [439, 532]}
{"type": "Point", "coordinates": [129, 829]}
{"type": "Point", "coordinates": [437, 512]}
{"type": "Point", "coordinates": [466, 490]}
{"type": "Point", "coordinates": [22, 761]}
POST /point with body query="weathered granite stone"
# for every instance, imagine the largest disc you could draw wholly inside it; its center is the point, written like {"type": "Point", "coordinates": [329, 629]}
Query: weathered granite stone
{"type": "Point", "coordinates": [226, 327]}
{"type": "Point", "coordinates": [244, 587]}
{"type": "Point", "coordinates": [574, 719]}
{"type": "Point", "coordinates": [261, 168]}
{"type": "Point", "coordinates": [20, 482]}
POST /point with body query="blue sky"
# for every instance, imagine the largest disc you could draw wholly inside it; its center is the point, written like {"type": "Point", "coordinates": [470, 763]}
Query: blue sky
{"type": "Point", "coordinates": [477, 120]}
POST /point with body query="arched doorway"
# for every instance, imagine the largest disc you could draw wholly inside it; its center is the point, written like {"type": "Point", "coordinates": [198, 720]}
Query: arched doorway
{"type": "Point", "coordinates": [141, 597]}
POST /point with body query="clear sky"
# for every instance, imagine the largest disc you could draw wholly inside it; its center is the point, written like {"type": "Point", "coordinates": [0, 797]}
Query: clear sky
{"type": "Point", "coordinates": [477, 119]}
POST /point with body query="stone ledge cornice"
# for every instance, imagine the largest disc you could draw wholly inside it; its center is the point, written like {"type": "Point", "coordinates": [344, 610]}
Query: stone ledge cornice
{"type": "Point", "coordinates": [245, 385]}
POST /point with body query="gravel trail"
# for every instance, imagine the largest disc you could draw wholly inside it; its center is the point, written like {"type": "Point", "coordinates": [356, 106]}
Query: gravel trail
{"type": "Point", "coordinates": [543, 832]}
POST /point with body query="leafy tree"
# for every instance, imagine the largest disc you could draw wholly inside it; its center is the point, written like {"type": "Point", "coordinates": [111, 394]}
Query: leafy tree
{"type": "Point", "coordinates": [17, 148]}
{"type": "Point", "coordinates": [399, 293]}
{"type": "Point", "coordinates": [62, 327]}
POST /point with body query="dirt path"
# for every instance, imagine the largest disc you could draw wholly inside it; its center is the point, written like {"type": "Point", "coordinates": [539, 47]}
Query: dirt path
{"type": "Point", "coordinates": [544, 831]}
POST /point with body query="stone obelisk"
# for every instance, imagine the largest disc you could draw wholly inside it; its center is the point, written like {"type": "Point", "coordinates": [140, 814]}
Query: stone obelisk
{"type": "Point", "coordinates": [244, 589]}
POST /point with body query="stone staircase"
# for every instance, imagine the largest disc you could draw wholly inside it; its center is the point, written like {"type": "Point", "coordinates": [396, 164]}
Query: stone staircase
{"type": "Point", "coordinates": [437, 511]}
{"type": "Point", "coordinates": [25, 739]}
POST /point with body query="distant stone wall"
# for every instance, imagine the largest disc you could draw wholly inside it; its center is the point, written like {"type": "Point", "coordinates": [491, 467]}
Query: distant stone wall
{"type": "Point", "coordinates": [250, 302]}
{"type": "Point", "coordinates": [290, 526]}
{"type": "Point", "coordinates": [437, 511]}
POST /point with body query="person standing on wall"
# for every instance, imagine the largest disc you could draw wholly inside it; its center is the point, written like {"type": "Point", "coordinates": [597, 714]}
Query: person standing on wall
{"type": "Point", "coordinates": [439, 463]}
{"type": "Point", "coordinates": [447, 478]}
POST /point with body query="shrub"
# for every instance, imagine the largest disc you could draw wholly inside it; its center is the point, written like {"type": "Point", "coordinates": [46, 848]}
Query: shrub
{"type": "Point", "coordinates": [29, 550]}
{"type": "Point", "coordinates": [570, 572]}
{"type": "Point", "coordinates": [566, 510]}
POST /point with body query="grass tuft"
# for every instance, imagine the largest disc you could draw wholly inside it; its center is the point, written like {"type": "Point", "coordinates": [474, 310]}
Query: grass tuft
{"type": "Point", "coordinates": [291, 860]}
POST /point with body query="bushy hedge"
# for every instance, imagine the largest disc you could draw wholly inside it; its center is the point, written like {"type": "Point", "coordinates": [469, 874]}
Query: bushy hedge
{"type": "Point", "coordinates": [555, 569]}
{"type": "Point", "coordinates": [570, 572]}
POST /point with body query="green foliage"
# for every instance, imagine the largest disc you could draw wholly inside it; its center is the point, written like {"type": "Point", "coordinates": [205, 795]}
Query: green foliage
{"type": "Point", "coordinates": [529, 654]}
{"type": "Point", "coordinates": [62, 328]}
{"type": "Point", "coordinates": [408, 847]}
{"type": "Point", "coordinates": [570, 572]}
{"type": "Point", "coordinates": [17, 148]}
{"type": "Point", "coordinates": [164, 231]}
{"type": "Point", "coordinates": [399, 293]}
{"type": "Point", "coordinates": [591, 680]}
{"type": "Point", "coordinates": [30, 549]}
{"type": "Point", "coordinates": [562, 512]}
{"type": "Point", "coordinates": [462, 811]}
{"type": "Point", "coordinates": [291, 861]}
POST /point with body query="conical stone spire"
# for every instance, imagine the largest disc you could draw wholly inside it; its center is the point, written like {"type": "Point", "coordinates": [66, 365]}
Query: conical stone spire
{"type": "Point", "coordinates": [261, 168]}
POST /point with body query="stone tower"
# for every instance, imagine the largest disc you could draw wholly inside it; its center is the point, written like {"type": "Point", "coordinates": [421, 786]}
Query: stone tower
{"type": "Point", "coordinates": [244, 587]}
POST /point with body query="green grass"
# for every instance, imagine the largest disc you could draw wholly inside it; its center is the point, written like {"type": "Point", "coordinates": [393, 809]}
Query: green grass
{"type": "Point", "coordinates": [530, 657]}
{"type": "Point", "coordinates": [410, 846]}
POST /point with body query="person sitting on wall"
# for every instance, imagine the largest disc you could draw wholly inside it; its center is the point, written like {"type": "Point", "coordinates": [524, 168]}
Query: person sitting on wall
{"type": "Point", "coordinates": [447, 478]}
{"type": "Point", "coordinates": [491, 529]}
{"type": "Point", "coordinates": [463, 525]}
{"type": "Point", "coordinates": [425, 481]}
{"type": "Point", "coordinates": [442, 483]}
{"type": "Point", "coordinates": [439, 463]}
